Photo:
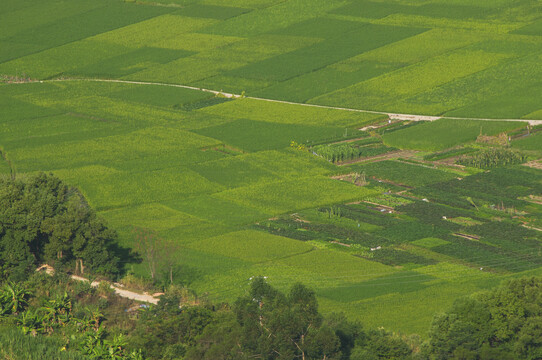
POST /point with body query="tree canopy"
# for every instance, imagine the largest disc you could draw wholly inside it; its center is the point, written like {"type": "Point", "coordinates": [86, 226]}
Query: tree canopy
{"type": "Point", "coordinates": [267, 324]}
{"type": "Point", "coordinates": [44, 220]}
{"type": "Point", "coordinates": [505, 323]}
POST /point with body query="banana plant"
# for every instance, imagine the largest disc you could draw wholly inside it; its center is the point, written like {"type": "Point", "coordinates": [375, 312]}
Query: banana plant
{"type": "Point", "coordinates": [136, 355]}
{"type": "Point", "coordinates": [31, 321]}
{"type": "Point", "coordinates": [93, 344]}
{"type": "Point", "coordinates": [15, 297]}
{"type": "Point", "coordinates": [94, 317]}
{"type": "Point", "coordinates": [4, 308]}
{"type": "Point", "coordinates": [57, 311]}
{"type": "Point", "coordinates": [116, 347]}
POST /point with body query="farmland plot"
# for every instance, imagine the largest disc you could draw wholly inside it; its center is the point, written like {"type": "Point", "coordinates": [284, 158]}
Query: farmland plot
{"type": "Point", "coordinates": [252, 135]}
{"type": "Point", "coordinates": [445, 133]}
{"type": "Point", "coordinates": [290, 114]}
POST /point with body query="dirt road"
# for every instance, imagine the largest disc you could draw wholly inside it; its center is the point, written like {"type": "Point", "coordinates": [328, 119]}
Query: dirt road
{"type": "Point", "coordinates": [392, 116]}
{"type": "Point", "coordinates": [121, 292]}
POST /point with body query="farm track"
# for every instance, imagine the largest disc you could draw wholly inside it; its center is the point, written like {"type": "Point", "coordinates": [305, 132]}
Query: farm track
{"type": "Point", "coordinates": [392, 116]}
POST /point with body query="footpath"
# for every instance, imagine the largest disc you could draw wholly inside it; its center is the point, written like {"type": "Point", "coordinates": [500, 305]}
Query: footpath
{"type": "Point", "coordinates": [132, 295]}
{"type": "Point", "coordinates": [122, 292]}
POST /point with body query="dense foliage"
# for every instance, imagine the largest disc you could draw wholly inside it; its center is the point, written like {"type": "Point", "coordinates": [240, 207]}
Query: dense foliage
{"type": "Point", "coordinates": [17, 346]}
{"type": "Point", "coordinates": [504, 323]}
{"type": "Point", "coordinates": [53, 318]}
{"type": "Point", "coordinates": [492, 157]}
{"type": "Point", "coordinates": [346, 151]}
{"type": "Point", "coordinates": [62, 319]}
{"type": "Point", "coordinates": [264, 324]}
{"type": "Point", "coordinates": [68, 319]}
{"type": "Point", "coordinates": [44, 220]}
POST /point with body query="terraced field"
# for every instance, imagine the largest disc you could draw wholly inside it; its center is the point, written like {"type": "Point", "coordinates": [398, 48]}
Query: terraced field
{"type": "Point", "coordinates": [237, 184]}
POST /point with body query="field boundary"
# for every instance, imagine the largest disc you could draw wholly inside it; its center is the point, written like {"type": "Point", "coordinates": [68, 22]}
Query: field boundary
{"type": "Point", "coordinates": [392, 116]}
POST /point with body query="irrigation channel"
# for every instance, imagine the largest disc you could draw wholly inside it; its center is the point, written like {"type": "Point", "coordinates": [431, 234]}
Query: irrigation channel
{"type": "Point", "coordinates": [392, 116]}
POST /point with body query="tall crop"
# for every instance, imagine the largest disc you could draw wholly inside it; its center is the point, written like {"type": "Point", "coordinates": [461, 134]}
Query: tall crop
{"type": "Point", "coordinates": [492, 157]}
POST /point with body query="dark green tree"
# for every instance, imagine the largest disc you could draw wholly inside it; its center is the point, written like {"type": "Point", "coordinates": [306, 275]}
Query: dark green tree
{"type": "Point", "coordinates": [44, 220]}
{"type": "Point", "coordinates": [505, 323]}
{"type": "Point", "coordinates": [379, 344]}
{"type": "Point", "coordinates": [166, 331]}
{"type": "Point", "coordinates": [270, 325]}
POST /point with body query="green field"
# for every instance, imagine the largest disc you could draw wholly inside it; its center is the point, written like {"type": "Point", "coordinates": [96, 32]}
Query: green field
{"type": "Point", "coordinates": [446, 133]}
{"type": "Point", "coordinates": [460, 59]}
{"type": "Point", "coordinates": [219, 177]}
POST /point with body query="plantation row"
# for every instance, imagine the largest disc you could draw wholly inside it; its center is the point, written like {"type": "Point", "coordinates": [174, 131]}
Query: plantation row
{"type": "Point", "coordinates": [339, 153]}
{"type": "Point", "coordinates": [493, 157]}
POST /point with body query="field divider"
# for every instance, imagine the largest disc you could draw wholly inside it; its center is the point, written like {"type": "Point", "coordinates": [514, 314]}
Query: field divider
{"type": "Point", "coordinates": [392, 116]}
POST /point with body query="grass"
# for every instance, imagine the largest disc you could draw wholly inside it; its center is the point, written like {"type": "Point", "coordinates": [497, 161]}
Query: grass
{"type": "Point", "coordinates": [446, 133]}
{"type": "Point", "coordinates": [153, 141]}
{"type": "Point", "coordinates": [534, 28]}
{"type": "Point", "coordinates": [233, 172]}
{"type": "Point", "coordinates": [159, 95]}
{"type": "Point", "coordinates": [290, 114]}
{"type": "Point", "coordinates": [116, 188]}
{"type": "Point", "coordinates": [284, 196]}
{"type": "Point", "coordinates": [388, 91]}
{"type": "Point", "coordinates": [334, 267]}
{"type": "Point", "coordinates": [503, 78]}
{"type": "Point", "coordinates": [144, 33]}
{"type": "Point", "coordinates": [150, 216]}
{"type": "Point", "coordinates": [4, 167]}
{"type": "Point", "coordinates": [361, 54]}
{"type": "Point", "coordinates": [159, 170]}
{"type": "Point", "coordinates": [310, 58]}
{"type": "Point", "coordinates": [289, 163]}
{"type": "Point", "coordinates": [76, 26]}
{"type": "Point", "coordinates": [397, 283]}
{"type": "Point", "coordinates": [403, 173]}
{"type": "Point", "coordinates": [131, 62]}
{"type": "Point", "coordinates": [252, 246]}
{"type": "Point", "coordinates": [312, 84]}
{"type": "Point", "coordinates": [429, 242]}
{"type": "Point", "coordinates": [15, 109]}
{"type": "Point", "coordinates": [274, 17]}
{"type": "Point", "coordinates": [18, 346]}
{"type": "Point", "coordinates": [218, 210]}
{"type": "Point", "coordinates": [211, 11]}
{"type": "Point", "coordinates": [320, 27]}
{"type": "Point", "coordinates": [253, 135]}
{"type": "Point", "coordinates": [532, 142]}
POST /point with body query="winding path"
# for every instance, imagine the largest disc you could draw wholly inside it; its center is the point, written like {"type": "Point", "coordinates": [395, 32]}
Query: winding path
{"type": "Point", "coordinates": [392, 116]}
{"type": "Point", "coordinates": [132, 295]}
{"type": "Point", "coordinates": [121, 292]}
